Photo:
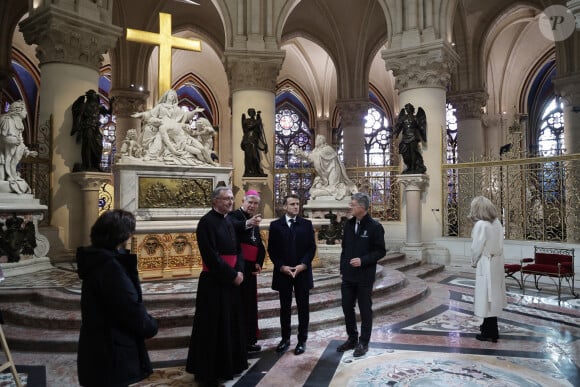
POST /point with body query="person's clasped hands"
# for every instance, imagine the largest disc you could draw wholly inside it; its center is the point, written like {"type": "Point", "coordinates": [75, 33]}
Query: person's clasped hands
{"type": "Point", "coordinates": [293, 271]}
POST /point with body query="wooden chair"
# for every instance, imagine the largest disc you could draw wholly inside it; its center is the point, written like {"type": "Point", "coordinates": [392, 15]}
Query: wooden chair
{"type": "Point", "coordinates": [9, 362]}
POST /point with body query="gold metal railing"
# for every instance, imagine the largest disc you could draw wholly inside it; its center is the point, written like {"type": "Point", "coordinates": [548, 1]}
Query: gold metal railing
{"type": "Point", "coordinates": [539, 197]}
{"type": "Point", "coordinates": [379, 182]}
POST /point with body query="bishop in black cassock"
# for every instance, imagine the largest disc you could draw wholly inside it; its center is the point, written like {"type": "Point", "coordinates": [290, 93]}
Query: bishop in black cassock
{"type": "Point", "coordinates": [254, 252]}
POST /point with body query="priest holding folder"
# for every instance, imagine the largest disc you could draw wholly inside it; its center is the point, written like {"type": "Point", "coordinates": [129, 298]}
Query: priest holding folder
{"type": "Point", "coordinates": [246, 221]}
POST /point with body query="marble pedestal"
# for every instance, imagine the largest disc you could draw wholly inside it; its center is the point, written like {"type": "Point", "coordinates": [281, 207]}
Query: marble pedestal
{"type": "Point", "coordinates": [414, 185]}
{"type": "Point", "coordinates": [29, 209]}
{"type": "Point", "coordinates": [90, 184]}
{"type": "Point", "coordinates": [167, 201]}
{"type": "Point", "coordinates": [166, 192]}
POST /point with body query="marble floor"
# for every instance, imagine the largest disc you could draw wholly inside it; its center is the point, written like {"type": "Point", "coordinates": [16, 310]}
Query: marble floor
{"type": "Point", "coordinates": [427, 343]}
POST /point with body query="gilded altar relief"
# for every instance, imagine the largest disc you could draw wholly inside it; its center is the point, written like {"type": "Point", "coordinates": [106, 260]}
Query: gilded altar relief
{"type": "Point", "coordinates": [165, 192]}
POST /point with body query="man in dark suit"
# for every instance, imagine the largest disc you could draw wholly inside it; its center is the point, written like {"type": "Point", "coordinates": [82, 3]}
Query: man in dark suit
{"type": "Point", "coordinates": [291, 247]}
{"type": "Point", "coordinates": [363, 244]}
{"type": "Point", "coordinates": [247, 225]}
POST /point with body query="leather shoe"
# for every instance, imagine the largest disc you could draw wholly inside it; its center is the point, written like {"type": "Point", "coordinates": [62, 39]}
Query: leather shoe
{"type": "Point", "coordinates": [283, 346]}
{"type": "Point", "coordinates": [360, 349]}
{"type": "Point", "coordinates": [484, 338]}
{"type": "Point", "coordinates": [253, 348]}
{"type": "Point", "coordinates": [300, 348]}
{"type": "Point", "coordinates": [348, 344]}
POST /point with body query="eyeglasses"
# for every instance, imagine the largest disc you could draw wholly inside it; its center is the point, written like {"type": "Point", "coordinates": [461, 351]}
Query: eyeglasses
{"type": "Point", "coordinates": [229, 198]}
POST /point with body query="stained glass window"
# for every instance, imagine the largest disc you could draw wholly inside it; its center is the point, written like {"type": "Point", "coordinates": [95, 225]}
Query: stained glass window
{"type": "Point", "coordinates": [551, 143]}
{"type": "Point", "coordinates": [452, 173]}
{"type": "Point", "coordinates": [551, 133]}
{"type": "Point", "coordinates": [378, 139]}
{"type": "Point", "coordinates": [292, 174]}
{"type": "Point", "coordinates": [451, 122]}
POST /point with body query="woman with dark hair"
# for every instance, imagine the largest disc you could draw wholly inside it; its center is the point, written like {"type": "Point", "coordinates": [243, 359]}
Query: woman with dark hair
{"type": "Point", "coordinates": [115, 322]}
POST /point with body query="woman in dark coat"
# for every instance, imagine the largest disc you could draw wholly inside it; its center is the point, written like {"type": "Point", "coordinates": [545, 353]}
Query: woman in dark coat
{"type": "Point", "coordinates": [115, 322]}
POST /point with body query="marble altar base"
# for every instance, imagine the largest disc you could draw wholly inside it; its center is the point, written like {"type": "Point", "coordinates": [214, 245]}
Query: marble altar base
{"type": "Point", "coordinates": [167, 201]}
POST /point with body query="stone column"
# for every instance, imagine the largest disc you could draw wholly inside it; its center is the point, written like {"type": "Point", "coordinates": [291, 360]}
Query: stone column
{"type": "Point", "coordinates": [470, 146]}
{"type": "Point", "coordinates": [569, 89]}
{"type": "Point", "coordinates": [352, 118]}
{"type": "Point", "coordinates": [252, 80]}
{"type": "Point", "coordinates": [470, 138]}
{"type": "Point", "coordinates": [414, 186]}
{"type": "Point", "coordinates": [71, 38]}
{"type": "Point", "coordinates": [127, 102]}
{"type": "Point", "coordinates": [574, 7]}
{"type": "Point", "coordinates": [90, 184]}
{"type": "Point", "coordinates": [324, 128]}
{"type": "Point", "coordinates": [422, 75]}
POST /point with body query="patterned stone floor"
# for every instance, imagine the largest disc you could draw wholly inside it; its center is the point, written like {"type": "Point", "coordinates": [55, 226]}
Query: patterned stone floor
{"type": "Point", "coordinates": [428, 343]}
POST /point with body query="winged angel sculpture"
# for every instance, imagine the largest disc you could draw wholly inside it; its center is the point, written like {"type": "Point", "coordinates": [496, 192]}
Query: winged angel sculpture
{"type": "Point", "coordinates": [87, 129]}
{"type": "Point", "coordinates": [414, 129]}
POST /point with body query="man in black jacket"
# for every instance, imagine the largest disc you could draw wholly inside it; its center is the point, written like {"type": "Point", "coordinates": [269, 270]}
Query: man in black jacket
{"type": "Point", "coordinates": [363, 244]}
{"type": "Point", "coordinates": [291, 246]}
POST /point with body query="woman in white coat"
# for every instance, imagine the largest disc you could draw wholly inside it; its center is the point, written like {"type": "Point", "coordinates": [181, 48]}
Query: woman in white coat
{"type": "Point", "coordinates": [487, 257]}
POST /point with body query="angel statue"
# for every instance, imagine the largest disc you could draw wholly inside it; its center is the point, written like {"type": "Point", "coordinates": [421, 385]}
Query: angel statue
{"type": "Point", "coordinates": [253, 143]}
{"type": "Point", "coordinates": [86, 126]}
{"type": "Point", "coordinates": [414, 128]}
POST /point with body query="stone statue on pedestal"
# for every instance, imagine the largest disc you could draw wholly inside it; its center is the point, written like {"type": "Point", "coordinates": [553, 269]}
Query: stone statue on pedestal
{"type": "Point", "coordinates": [331, 179]}
{"type": "Point", "coordinates": [12, 149]}
{"type": "Point", "coordinates": [414, 129]}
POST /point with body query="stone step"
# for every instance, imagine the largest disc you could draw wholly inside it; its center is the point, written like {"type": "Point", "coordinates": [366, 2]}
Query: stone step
{"type": "Point", "coordinates": [173, 312]}
{"type": "Point", "coordinates": [425, 270]}
{"type": "Point", "coordinates": [39, 339]}
{"type": "Point", "coordinates": [48, 319]}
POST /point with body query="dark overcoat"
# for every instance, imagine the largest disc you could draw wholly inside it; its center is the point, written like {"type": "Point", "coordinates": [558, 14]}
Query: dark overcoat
{"type": "Point", "coordinates": [115, 322]}
{"type": "Point", "coordinates": [285, 249]}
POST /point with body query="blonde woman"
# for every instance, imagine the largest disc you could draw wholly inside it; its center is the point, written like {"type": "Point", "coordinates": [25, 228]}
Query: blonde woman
{"type": "Point", "coordinates": [487, 258]}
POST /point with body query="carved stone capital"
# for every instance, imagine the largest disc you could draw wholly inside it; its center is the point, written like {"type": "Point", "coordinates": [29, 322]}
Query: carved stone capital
{"type": "Point", "coordinates": [63, 36]}
{"type": "Point", "coordinates": [415, 182]}
{"type": "Point", "coordinates": [569, 89]}
{"type": "Point", "coordinates": [468, 104]}
{"type": "Point", "coordinates": [430, 65]}
{"type": "Point", "coordinates": [128, 101]}
{"type": "Point", "coordinates": [253, 70]}
{"type": "Point", "coordinates": [352, 111]}
{"type": "Point", "coordinates": [91, 181]}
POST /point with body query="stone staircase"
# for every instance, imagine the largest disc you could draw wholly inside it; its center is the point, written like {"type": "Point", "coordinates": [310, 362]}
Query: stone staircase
{"type": "Point", "coordinates": [48, 319]}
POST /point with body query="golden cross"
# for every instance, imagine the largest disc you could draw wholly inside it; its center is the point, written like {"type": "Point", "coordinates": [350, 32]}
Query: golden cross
{"type": "Point", "coordinates": [166, 42]}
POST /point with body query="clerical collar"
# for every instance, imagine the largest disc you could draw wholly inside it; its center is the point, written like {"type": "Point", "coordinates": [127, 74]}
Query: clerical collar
{"type": "Point", "coordinates": [224, 215]}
